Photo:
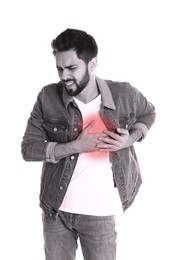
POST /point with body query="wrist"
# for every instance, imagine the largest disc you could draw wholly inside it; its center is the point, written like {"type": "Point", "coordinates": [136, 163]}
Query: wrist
{"type": "Point", "coordinates": [74, 146]}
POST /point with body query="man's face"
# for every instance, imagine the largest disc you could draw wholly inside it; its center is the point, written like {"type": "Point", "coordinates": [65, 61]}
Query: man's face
{"type": "Point", "coordinates": [73, 72]}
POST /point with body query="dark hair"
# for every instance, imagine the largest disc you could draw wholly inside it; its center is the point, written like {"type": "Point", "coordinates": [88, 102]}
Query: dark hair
{"type": "Point", "coordinates": [83, 43]}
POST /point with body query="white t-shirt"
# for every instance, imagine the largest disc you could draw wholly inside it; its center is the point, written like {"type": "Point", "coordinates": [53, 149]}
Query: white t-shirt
{"type": "Point", "coordinates": [91, 189]}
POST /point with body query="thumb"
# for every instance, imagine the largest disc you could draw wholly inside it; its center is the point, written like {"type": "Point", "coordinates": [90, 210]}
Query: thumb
{"type": "Point", "coordinates": [89, 126]}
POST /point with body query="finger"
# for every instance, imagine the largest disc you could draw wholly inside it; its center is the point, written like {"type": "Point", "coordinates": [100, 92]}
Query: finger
{"type": "Point", "coordinates": [122, 131]}
{"type": "Point", "coordinates": [112, 135]}
{"type": "Point", "coordinates": [108, 148]}
{"type": "Point", "coordinates": [108, 140]}
{"type": "Point", "coordinates": [113, 146]}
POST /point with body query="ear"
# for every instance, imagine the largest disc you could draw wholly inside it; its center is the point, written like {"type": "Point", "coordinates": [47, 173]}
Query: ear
{"type": "Point", "coordinates": [92, 64]}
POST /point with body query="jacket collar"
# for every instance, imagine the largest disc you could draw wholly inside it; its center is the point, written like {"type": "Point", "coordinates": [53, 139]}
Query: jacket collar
{"type": "Point", "coordinates": [106, 95]}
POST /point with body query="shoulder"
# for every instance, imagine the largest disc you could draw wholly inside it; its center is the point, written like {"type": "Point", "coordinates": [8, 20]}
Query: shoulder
{"type": "Point", "coordinates": [50, 92]}
{"type": "Point", "coordinates": [53, 87]}
{"type": "Point", "coordinates": [118, 84]}
{"type": "Point", "coordinates": [120, 87]}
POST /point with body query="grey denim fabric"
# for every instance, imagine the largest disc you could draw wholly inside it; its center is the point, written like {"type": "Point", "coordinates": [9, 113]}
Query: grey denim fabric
{"type": "Point", "coordinates": [97, 236]}
{"type": "Point", "coordinates": [56, 118]}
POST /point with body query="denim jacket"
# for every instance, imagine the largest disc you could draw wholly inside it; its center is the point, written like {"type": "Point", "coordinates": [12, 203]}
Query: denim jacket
{"type": "Point", "coordinates": [56, 118]}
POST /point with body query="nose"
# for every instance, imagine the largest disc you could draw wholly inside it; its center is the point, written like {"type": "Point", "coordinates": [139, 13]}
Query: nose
{"type": "Point", "coordinates": [64, 74]}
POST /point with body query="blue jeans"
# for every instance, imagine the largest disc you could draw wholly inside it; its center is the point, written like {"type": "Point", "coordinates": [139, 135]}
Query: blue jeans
{"type": "Point", "coordinates": [97, 236]}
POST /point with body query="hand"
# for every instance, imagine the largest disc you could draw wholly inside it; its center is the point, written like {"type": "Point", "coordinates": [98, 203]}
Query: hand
{"type": "Point", "coordinates": [88, 142]}
{"type": "Point", "coordinates": [115, 141]}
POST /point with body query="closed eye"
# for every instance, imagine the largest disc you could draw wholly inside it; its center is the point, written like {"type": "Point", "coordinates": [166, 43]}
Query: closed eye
{"type": "Point", "coordinates": [59, 69]}
{"type": "Point", "coordinates": [72, 67]}
{"type": "Point", "coordinates": [67, 67]}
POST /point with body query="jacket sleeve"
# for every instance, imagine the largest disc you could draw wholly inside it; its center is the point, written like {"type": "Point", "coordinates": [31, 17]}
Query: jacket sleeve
{"type": "Point", "coordinates": [34, 142]}
{"type": "Point", "coordinates": [145, 113]}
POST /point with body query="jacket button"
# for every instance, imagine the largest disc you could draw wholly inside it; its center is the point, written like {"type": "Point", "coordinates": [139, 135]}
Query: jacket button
{"type": "Point", "coordinates": [61, 188]}
{"type": "Point", "coordinates": [75, 129]}
{"type": "Point", "coordinates": [72, 157]}
{"type": "Point", "coordinates": [55, 129]}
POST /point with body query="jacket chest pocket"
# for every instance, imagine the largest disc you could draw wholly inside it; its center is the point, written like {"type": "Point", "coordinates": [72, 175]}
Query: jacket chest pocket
{"type": "Point", "coordinates": [56, 132]}
{"type": "Point", "coordinates": [127, 121]}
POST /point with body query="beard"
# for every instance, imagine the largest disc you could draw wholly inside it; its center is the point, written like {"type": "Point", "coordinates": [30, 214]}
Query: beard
{"type": "Point", "coordinates": [79, 85]}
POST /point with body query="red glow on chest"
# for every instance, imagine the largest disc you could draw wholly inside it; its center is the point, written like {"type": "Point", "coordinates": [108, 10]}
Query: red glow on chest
{"type": "Point", "coordinates": [98, 127]}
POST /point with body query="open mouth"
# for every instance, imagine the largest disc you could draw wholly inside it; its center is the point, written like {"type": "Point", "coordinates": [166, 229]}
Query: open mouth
{"type": "Point", "coordinates": [69, 83]}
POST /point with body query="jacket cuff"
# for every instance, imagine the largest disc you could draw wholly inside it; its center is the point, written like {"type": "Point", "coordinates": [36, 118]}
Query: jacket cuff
{"type": "Point", "coordinates": [142, 127]}
{"type": "Point", "coordinates": [50, 152]}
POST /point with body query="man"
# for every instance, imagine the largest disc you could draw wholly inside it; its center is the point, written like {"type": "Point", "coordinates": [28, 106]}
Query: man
{"type": "Point", "coordinates": [83, 129]}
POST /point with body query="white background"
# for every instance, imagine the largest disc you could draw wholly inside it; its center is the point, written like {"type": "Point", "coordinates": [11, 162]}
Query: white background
{"type": "Point", "coordinates": [135, 44]}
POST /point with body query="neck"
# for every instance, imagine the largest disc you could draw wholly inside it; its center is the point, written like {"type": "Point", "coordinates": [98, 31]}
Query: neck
{"type": "Point", "coordinates": [90, 92]}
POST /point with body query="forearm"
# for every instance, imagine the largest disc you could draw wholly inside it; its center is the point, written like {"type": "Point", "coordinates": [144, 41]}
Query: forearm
{"type": "Point", "coordinates": [66, 149]}
{"type": "Point", "coordinates": [34, 151]}
{"type": "Point", "coordinates": [56, 151]}
{"type": "Point", "coordinates": [138, 129]}
{"type": "Point", "coordinates": [135, 135]}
